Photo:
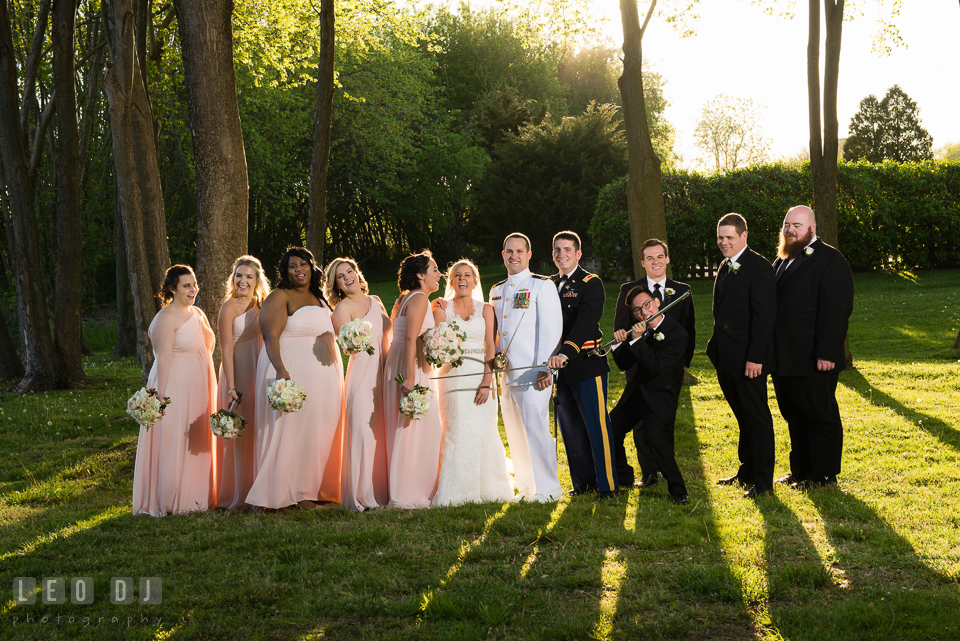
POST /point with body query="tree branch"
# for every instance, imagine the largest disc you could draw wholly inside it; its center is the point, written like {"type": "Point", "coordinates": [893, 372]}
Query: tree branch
{"type": "Point", "coordinates": [646, 20]}
{"type": "Point", "coordinates": [45, 119]}
{"type": "Point", "coordinates": [33, 63]}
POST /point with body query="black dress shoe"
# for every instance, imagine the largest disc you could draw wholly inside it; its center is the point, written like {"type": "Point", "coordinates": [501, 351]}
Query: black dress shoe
{"type": "Point", "coordinates": [681, 499]}
{"type": "Point", "coordinates": [647, 481]}
{"type": "Point", "coordinates": [606, 495]}
{"type": "Point", "coordinates": [789, 479]}
{"type": "Point", "coordinates": [754, 492]}
{"type": "Point", "coordinates": [578, 491]}
{"type": "Point", "coordinates": [730, 480]}
{"type": "Point", "coordinates": [814, 481]}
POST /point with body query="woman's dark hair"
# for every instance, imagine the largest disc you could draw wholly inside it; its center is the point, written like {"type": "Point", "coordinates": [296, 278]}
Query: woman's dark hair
{"type": "Point", "coordinates": [316, 274]}
{"type": "Point", "coordinates": [411, 266]}
{"type": "Point", "coordinates": [170, 281]}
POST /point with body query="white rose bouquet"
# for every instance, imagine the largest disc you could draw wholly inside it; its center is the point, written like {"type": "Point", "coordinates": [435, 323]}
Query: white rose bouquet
{"type": "Point", "coordinates": [416, 404]}
{"type": "Point", "coordinates": [285, 396]}
{"type": "Point", "coordinates": [146, 407]}
{"type": "Point", "coordinates": [227, 423]}
{"type": "Point", "coordinates": [444, 344]}
{"type": "Point", "coordinates": [356, 336]}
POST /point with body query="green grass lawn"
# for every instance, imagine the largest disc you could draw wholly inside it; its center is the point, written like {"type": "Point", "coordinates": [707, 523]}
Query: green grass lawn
{"type": "Point", "coordinates": [876, 558]}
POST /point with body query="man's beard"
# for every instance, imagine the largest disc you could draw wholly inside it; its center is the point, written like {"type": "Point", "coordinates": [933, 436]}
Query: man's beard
{"type": "Point", "coordinates": [790, 249]}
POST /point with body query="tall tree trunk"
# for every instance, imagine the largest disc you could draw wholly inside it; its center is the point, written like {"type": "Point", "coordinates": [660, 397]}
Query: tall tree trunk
{"type": "Point", "coordinates": [67, 321]}
{"type": "Point", "coordinates": [119, 83]}
{"type": "Point", "coordinates": [39, 356]}
{"type": "Point", "coordinates": [644, 184]}
{"type": "Point", "coordinates": [824, 140]}
{"type": "Point", "coordinates": [10, 365]}
{"type": "Point", "coordinates": [317, 221]}
{"type": "Point", "coordinates": [126, 325]}
{"type": "Point", "coordinates": [206, 40]}
{"type": "Point", "coordinates": [33, 63]}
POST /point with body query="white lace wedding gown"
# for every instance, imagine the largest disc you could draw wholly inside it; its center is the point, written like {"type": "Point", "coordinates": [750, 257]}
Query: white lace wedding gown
{"type": "Point", "coordinates": [473, 464]}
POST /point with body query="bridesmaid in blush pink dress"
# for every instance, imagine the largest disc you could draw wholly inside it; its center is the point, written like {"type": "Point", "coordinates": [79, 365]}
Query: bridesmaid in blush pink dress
{"type": "Point", "coordinates": [363, 480]}
{"type": "Point", "coordinates": [175, 470]}
{"type": "Point", "coordinates": [297, 455]}
{"type": "Point", "coordinates": [413, 447]}
{"type": "Point", "coordinates": [239, 325]}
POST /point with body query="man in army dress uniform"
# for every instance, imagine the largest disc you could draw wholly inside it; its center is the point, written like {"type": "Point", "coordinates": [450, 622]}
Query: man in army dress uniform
{"type": "Point", "coordinates": [528, 330]}
{"type": "Point", "coordinates": [581, 406]}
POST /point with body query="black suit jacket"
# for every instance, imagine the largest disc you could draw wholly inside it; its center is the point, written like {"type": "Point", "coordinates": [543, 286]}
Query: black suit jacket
{"type": "Point", "coordinates": [683, 312]}
{"type": "Point", "coordinates": [814, 303]}
{"type": "Point", "coordinates": [655, 368]}
{"type": "Point", "coordinates": [744, 316]}
{"type": "Point", "coordinates": [581, 301]}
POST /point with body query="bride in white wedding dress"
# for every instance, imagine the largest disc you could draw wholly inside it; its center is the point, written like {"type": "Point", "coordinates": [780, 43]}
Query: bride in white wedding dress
{"type": "Point", "coordinates": [473, 463]}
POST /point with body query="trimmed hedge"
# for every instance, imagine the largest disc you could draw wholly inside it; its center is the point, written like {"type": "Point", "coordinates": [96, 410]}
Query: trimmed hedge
{"type": "Point", "coordinates": [899, 215]}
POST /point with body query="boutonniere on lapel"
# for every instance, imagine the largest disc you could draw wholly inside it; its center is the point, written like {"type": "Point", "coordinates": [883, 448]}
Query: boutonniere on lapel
{"type": "Point", "coordinates": [658, 336]}
{"type": "Point", "coordinates": [808, 251]}
{"type": "Point", "coordinates": [733, 266]}
{"type": "Point", "coordinates": [670, 291]}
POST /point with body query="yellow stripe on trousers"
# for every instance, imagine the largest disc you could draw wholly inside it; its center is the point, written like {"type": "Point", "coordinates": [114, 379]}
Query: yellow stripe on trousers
{"type": "Point", "coordinates": [602, 413]}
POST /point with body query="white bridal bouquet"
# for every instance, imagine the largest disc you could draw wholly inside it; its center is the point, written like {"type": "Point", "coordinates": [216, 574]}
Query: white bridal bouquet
{"type": "Point", "coordinates": [356, 336]}
{"type": "Point", "coordinates": [444, 344]}
{"type": "Point", "coordinates": [416, 404]}
{"type": "Point", "coordinates": [285, 396]}
{"type": "Point", "coordinates": [227, 423]}
{"type": "Point", "coordinates": [146, 407]}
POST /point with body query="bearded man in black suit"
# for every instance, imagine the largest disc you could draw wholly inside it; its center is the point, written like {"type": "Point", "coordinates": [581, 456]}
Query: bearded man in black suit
{"type": "Point", "coordinates": [655, 256]}
{"type": "Point", "coordinates": [814, 303]}
{"type": "Point", "coordinates": [653, 357]}
{"type": "Point", "coordinates": [741, 348]}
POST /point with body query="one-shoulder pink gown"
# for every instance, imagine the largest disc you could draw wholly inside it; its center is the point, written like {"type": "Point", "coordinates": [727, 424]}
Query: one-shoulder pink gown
{"type": "Point", "coordinates": [297, 455]}
{"type": "Point", "coordinates": [413, 447]}
{"type": "Point", "coordinates": [236, 454]}
{"type": "Point", "coordinates": [175, 469]}
{"type": "Point", "coordinates": [363, 480]}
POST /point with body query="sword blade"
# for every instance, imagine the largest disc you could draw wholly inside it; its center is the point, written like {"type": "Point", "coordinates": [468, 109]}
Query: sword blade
{"type": "Point", "coordinates": [496, 371]}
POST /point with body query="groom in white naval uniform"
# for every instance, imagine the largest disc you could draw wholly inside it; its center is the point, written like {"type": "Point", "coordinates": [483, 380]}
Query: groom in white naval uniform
{"type": "Point", "coordinates": [529, 324]}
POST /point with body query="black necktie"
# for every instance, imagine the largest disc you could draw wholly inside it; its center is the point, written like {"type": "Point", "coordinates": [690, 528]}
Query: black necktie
{"type": "Point", "coordinates": [657, 292]}
{"type": "Point", "coordinates": [782, 267]}
{"type": "Point", "coordinates": [722, 277]}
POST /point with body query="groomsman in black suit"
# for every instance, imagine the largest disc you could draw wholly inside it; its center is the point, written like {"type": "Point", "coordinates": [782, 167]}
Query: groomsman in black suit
{"type": "Point", "coordinates": [653, 359]}
{"type": "Point", "coordinates": [581, 403]}
{"type": "Point", "coordinates": [655, 256]}
{"type": "Point", "coordinates": [814, 303]}
{"type": "Point", "coordinates": [741, 348]}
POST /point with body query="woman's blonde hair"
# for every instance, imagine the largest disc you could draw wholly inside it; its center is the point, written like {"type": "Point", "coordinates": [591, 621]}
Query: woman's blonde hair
{"type": "Point", "coordinates": [330, 289]}
{"type": "Point", "coordinates": [260, 289]}
{"type": "Point", "coordinates": [477, 291]}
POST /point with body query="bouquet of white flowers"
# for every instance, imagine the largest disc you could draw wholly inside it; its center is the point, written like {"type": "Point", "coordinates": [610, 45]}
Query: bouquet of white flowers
{"type": "Point", "coordinates": [356, 337]}
{"type": "Point", "coordinates": [416, 404]}
{"type": "Point", "coordinates": [444, 344]}
{"type": "Point", "coordinates": [146, 407]}
{"type": "Point", "coordinates": [227, 423]}
{"type": "Point", "coordinates": [285, 396]}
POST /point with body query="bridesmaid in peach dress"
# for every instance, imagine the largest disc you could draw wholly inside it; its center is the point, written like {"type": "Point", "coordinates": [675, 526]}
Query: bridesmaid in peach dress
{"type": "Point", "coordinates": [413, 447]}
{"type": "Point", "coordinates": [363, 480]}
{"type": "Point", "coordinates": [297, 455]}
{"type": "Point", "coordinates": [175, 470]}
{"type": "Point", "coordinates": [239, 325]}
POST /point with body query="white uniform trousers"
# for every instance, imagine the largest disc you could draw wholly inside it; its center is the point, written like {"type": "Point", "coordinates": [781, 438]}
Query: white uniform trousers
{"type": "Point", "coordinates": [526, 419]}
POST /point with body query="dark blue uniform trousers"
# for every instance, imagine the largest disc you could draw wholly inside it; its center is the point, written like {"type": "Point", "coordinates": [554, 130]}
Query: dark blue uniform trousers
{"type": "Point", "coordinates": [581, 409]}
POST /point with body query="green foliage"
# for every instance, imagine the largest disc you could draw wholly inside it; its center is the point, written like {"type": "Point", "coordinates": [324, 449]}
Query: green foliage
{"type": "Point", "coordinates": [547, 178]}
{"type": "Point", "coordinates": [949, 152]}
{"type": "Point", "coordinates": [888, 130]}
{"type": "Point", "coordinates": [892, 215]}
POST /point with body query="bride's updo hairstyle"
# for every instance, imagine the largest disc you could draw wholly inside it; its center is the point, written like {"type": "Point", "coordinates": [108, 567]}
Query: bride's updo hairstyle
{"type": "Point", "coordinates": [449, 290]}
{"type": "Point", "coordinates": [411, 267]}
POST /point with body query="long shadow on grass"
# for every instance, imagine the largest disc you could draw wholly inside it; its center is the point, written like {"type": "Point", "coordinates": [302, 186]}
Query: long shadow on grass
{"type": "Point", "coordinates": [676, 569]}
{"type": "Point", "coordinates": [480, 587]}
{"type": "Point", "coordinates": [796, 574]}
{"type": "Point", "coordinates": [892, 592]}
{"type": "Point", "coordinates": [856, 381]}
